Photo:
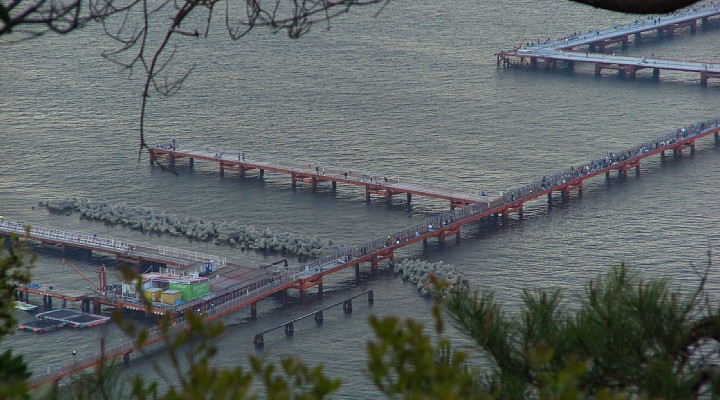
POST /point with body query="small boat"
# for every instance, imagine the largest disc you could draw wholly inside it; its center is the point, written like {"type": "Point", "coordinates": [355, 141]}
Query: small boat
{"type": "Point", "coordinates": [21, 305]}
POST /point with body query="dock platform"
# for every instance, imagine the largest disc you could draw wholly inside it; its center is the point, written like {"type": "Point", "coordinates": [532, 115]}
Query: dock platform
{"type": "Point", "coordinates": [72, 318]}
{"type": "Point", "coordinates": [562, 51]}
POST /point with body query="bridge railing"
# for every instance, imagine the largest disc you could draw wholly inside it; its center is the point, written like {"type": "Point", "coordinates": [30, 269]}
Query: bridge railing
{"type": "Point", "coordinates": [309, 168]}
{"type": "Point", "coordinates": [68, 237]}
{"type": "Point", "coordinates": [219, 262]}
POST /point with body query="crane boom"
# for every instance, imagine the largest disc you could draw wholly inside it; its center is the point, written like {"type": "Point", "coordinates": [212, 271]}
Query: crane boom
{"type": "Point", "coordinates": [65, 262]}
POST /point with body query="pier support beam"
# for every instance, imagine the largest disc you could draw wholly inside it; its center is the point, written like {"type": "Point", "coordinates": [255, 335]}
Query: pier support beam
{"type": "Point", "coordinates": [638, 38]}
{"type": "Point", "coordinates": [625, 42]}
{"type": "Point", "coordinates": [656, 74]}
{"type": "Point", "coordinates": [289, 329]}
{"type": "Point", "coordinates": [319, 317]}
{"type": "Point", "coordinates": [334, 186]}
{"type": "Point", "coordinates": [253, 310]}
{"type": "Point", "coordinates": [631, 71]}
{"type": "Point", "coordinates": [357, 271]}
{"type": "Point", "coordinates": [192, 163]}
{"type": "Point", "coordinates": [371, 297]}
{"type": "Point", "coordinates": [533, 62]}
{"type": "Point", "coordinates": [409, 195]}
{"type": "Point", "coordinates": [367, 194]}
{"type": "Point", "coordinates": [262, 173]}
{"type": "Point", "coordinates": [347, 307]}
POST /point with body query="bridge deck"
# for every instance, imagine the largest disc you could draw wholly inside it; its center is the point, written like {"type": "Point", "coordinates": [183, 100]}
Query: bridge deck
{"type": "Point", "coordinates": [242, 289]}
{"type": "Point", "coordinates": [551, 51]}
{"type": "Point", "coordinates": [313, 174]}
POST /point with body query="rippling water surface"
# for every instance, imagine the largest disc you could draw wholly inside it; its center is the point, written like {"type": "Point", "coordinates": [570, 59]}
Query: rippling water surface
{"type": "Point", "coordinates": [412, 93]}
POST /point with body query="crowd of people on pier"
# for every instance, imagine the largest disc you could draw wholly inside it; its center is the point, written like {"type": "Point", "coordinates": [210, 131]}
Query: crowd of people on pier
{"type": "Point", "coordinates": [609, 160]}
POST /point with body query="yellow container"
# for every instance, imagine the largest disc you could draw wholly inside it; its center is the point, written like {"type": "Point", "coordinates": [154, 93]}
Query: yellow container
{"type": "Point", "coordinates": [170, 296]}
{"type": "Point", "coordinates": [153, 294]}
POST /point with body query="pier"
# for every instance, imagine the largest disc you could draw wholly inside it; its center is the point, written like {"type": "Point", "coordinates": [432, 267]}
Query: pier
{"type": "Point", "coordinates": [563, 51]}
{"type": "Point", "coordinates": [141, 255]}
{"type": "Point", "coordinates": [313, 174]}
{"type": "Point", "coordinates": [242, 289]}
{"type": "Point", "coordinates": [318, 316]}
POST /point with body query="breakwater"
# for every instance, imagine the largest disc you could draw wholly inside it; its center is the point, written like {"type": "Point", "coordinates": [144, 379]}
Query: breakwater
{"type": "Point", "coordinates": [232, 233]}
{"type": "Point", "coordinates": [420, 272]}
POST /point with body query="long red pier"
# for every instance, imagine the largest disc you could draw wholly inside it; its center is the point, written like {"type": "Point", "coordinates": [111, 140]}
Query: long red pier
{"type": "Point", "coordinates": [314, 174]}
{"type": "Point", "coordinates": [562, 51]}
{"type": "Point", "coordinates": [246, 292]}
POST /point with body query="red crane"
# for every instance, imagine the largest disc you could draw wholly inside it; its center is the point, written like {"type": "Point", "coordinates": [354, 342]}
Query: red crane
{"type": "Point", "coordinates": [101, 275]}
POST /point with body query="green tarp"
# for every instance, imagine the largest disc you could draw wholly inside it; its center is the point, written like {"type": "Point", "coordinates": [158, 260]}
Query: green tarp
{"type": "Point", "coordinates": [191, 291]}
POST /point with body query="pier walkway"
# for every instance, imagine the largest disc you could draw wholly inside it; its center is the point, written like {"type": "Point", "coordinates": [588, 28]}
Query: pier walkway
{"type": "Point", "coordinates": [562, 50]}
{"type": "Point", "coordinates": [63, 240]}
{"type": "Point", "coordinates": [243, 289]}
{"type": "Point", "coordinates": [314, 174]}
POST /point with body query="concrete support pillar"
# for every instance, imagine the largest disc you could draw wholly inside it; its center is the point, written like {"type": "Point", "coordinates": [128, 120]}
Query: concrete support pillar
{"type": "Point", "coordinates": [637, 169]}
{"type": "Point", "coordinates": [293, 183]}
{"type": "Point", "coordinates": [367, 194]}
{"type": "Point", "coordinates": [262, 173]}
{"type": "Point", "coordinates": [320, 286]}
{"type": "Point", "coordinates": [693, 26]}
{"type": "Point", "coordinates": [692, 148]}
{"type": "Point", "coordinates": [533, 62]}
{"type": "Point", "coordinates": [313, 183]}
{"type": "Point", "coordinates": [253, 310]}
{"type": "Point", "coordinates": [638, 38]}
{"type": "Point", "coordinates": [388, 196]}
{"type": "Point", "coordinates": [598, 69]}
{"type": "Point", "coordinates": [625, 42]}
{"type": "Point", "coordinates": [409, 195]}
{"type": "Point", "coordinates": [549, 195]}
{"type": "Point", "coordinates": [334, 186]}
{"type": "Point", "coordinates": [64, 304]}
{"type": "Point", "coordinates": [631, 72]}
{"type": "Point", "coordinates": [241, 170]}
{"type": "Point", "coordinates": [289, 329]}
{"type": "Point", "coordinates": [192, 163]}
{"type": "Point", "coordinates": [171, 160]}
{"type": "Point", "coordinates": [357, 271]}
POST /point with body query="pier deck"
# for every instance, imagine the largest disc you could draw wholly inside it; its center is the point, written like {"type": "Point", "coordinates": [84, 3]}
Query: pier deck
{"type": "Point", "coordinates": [315, 174]}
{"type": "Point", "coordinates": [562, 50]}
{"type": "Point", "coordinates": [243, 290]}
